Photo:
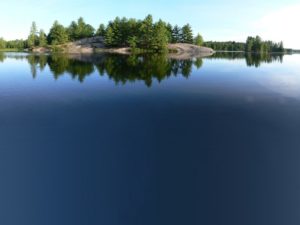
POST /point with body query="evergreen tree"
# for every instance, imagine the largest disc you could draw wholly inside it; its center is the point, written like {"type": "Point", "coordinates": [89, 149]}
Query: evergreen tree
{"type": "Point", "coordinates": [257, 46]}
{"type": "Point", "coordinates": [281, 48]}
{"type": "Point", "coordinates": [58, 34]}
{"type": "Point", "coordinates": [176, 34]}
{"type": "Point", "coordinates": [109, 37]}
{"type": "Point", "coordinates": [88, 31]}
{"type": "Point", "coordinates": [42, 39]}
{"type": "Point", "coordinates": [2, 43]}
{"type": "Point", "coordinates": [101, 30]}
{"type": "Point", "coordinates": [114, 32]}
{"type": "Point", "coordinates": [169, 28]}
{"type": "Point", "coordinates": [32, 38]}
{"type": "Point", "coordinates": [132, 41]}
{"type": "Point", "coordinates": [146, 32]}
{"type": "Point", "coordinates": [78, 30]}
{"type": "Point", "coordinates": [160, 38]}
{"type": "Point", "coordinates": [198, 40]}
{"type": "Point", "coordinates": [249, 44]}
{"type": "Point", "coordinates": [72, 31]}
{"type": "Point", "coordinates": [187, 34]}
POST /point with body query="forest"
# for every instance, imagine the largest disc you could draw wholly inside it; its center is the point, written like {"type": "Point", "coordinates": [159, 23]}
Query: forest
{"type": "Point", "coordinates": [137, 34]}
{"type": "Point", "coordinates": [121, 32]}
{"type": "Point", "coordinates": [252, 44]}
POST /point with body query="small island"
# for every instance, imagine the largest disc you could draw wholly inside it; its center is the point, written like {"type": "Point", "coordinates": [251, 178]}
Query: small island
{"type": "Point", "coordinates": [132, 36]}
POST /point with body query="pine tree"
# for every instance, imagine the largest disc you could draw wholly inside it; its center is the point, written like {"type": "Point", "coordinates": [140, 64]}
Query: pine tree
{"type": "Point", "coordinates": [42, 39]}
{"type": "Point", "coordinates": [109, 37]}
{"type": "Point", "coordinates": [78, 30]}
{"type": "Point", "coordinates": [101, 30]}
{"type": "Point", "coordinates": [281, 47]}
{"type": "Point", "coordinates": [249, 44]}
{"type": "Point", "coordinates": [146, 32]}
{"type": "Point", "coordinates": [2, 43]}
{"type": "Point", "coordinates": [72, 31]}
{"type": "Point", "coordinates": [160, 37]}
{"type": "Point", "coordinates": [187, 34]}
{"type": "Point", "coordinates": [132, 41]}
{"type": "Point", "coordinates": [32, 36]}
{"type": "Point", "coordinates": [176, 34]}
{"type": "Point", "coordinates": [58, 34]}
{"type": "Point", "coordinates": [169, 28]}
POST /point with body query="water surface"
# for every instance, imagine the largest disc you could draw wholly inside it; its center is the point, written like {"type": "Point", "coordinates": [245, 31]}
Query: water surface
{"type": "Point", "coordinates": [145, 140]}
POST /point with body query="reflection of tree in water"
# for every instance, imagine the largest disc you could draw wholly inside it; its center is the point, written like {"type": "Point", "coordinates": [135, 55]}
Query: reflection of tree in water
{"type": "Point", "coordinates": [123, 69]}
{"type": "Point", "coordinates": [35, 62]}
{"type": "Point", "coordinates": [228, 55]}
{"type": "Point", "coordinates": [251, 59]}
{"type": "Point", "coordinates": [257, 59]}
{"type": "Point", "coordinates": [58, 64]}
{"type": "Point", "coordinates": [198, 63]}
{"type": "Point", "coordinates": [119, 68]}
{"type": "Point", "coordinates": [61, 64]}
{"type": "Point", "coordinates": [2, 57]}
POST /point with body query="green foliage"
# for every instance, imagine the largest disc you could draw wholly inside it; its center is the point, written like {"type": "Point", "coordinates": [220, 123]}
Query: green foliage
{"type": "Point", "coordinates": [160, 39]}
{"type": "Point", "coordinates": [109, 37]}
{"type": "Point", "coordinates": [16, 44]}
{"type": "Point", "coordinates": [225, 46]}
{"type": "Point", "coordinates": [32, 38]}
{"type": "Point", "coordinates": [58, 34]}
{"type": "Point", "coordinates": [137, 34]}
{"type": "Point", "coordinates": [42, 38]}
{"type": "Point", "coordinates": [146, 33]}
{"type": "Point", "coordinates": [187, 34]}
{"type": "Point", "coordinates": [121, 69]}
{"type": "Point", "coordinates": [198, 40]}
{"type": "Point", "coordinates": [198, 63]}
{"type": "Point", "coordinates": [255, 44]}
{"type": "Point", "coordinates": [133, 43]}
{"type": "Point", "coordinates": [141, 35]}
{"type": "Point", "coordinates": [101, 30]}
{"type": "Point", "coordinates": [169, 29]}
{"type": "Point", "coordinates": [252, 60]}
{"type": "Point", "coordinates": [78, 30]}
{"type": "Point", "coordinates": [2, 43]}
{"type": "Point", "coordinates": [176, 34]}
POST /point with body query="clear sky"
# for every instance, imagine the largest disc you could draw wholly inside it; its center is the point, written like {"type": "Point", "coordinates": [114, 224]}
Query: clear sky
{"type": "Point", "coordinates": [214, 19]}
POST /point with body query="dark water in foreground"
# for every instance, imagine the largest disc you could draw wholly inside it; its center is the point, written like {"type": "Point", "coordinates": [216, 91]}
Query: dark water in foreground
{"type": "Point", "coordinates": [146, 140]}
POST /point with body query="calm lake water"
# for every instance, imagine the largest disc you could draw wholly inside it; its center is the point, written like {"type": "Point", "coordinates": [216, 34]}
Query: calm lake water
{"type": "Point", "coordinates": [118, 140]}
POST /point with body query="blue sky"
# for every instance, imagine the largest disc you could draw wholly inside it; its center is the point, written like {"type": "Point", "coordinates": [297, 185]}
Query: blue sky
{"type": "Point", "coordinates": [214, 19]}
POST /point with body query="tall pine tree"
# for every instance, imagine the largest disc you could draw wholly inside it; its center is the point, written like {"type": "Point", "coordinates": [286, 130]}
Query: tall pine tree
{"type": "Point", "coordinates": [187, 34]}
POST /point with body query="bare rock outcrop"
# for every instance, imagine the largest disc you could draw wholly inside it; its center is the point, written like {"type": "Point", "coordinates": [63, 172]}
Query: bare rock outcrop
{"type": "Point", "coordinates": [187, 51]}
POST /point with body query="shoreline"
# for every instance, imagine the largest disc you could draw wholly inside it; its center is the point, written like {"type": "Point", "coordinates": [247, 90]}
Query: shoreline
{"type": "Point", "coordinates": [176, 51]}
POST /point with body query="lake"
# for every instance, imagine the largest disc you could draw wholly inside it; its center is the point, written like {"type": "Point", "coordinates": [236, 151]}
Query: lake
{"type": "Point", "coordinates": [147, 140]}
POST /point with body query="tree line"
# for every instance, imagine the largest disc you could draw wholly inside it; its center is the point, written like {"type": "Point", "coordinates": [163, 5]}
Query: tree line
{"type": "Point", "coordinates": [252, 44]}
{"type": "Point", "coordinates": [121, 32]}
{"type": "Point", "coordinates": [256, 44]}
{"type": "Point", "coordinates": [137, 34]}
{"type": "Point", "coordinates": [225, 46]}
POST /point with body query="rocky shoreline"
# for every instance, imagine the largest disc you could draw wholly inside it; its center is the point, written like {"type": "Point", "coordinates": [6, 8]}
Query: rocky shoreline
{"type": "Point", "coordinates": [96, 45]}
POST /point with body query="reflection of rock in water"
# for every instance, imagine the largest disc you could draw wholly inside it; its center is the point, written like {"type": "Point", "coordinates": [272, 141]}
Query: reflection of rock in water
{"type": "Point", "coordinates": [119, 68]}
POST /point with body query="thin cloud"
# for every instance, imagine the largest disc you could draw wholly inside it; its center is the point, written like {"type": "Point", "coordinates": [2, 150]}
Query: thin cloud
{"type": "Point", "coordinates": [281, 25]}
